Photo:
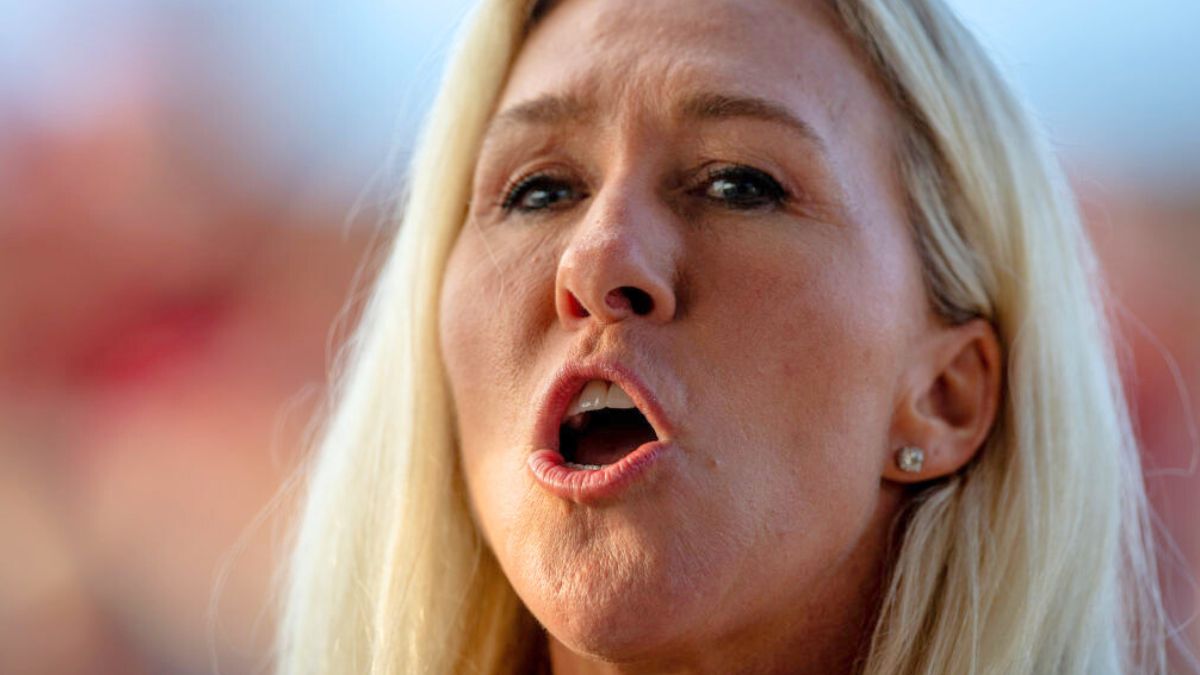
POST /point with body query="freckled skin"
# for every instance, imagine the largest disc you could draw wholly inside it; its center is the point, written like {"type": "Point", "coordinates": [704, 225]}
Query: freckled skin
{"type": "Point", "coordinates": [758, 545]}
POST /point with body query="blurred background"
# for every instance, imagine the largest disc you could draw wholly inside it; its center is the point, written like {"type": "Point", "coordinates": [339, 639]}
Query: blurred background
{"type": "Point", "coordinates": [188, 193]}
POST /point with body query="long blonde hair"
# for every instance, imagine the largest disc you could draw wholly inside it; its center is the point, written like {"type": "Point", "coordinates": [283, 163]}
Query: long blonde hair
{"type": "Point", "coordinates": [1035, 559]}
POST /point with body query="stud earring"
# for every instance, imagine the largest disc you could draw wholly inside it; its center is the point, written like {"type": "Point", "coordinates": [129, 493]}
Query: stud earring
{"type": "Point", "coordinates": [910, 459]}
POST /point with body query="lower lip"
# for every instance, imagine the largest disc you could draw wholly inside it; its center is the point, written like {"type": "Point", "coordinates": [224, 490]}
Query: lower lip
{"type": "Point", "coordinates": [588, 486]}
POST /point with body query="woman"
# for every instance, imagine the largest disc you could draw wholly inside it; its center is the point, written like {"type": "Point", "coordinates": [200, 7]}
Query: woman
{"type": "Point", "coordinates": [720, 336]}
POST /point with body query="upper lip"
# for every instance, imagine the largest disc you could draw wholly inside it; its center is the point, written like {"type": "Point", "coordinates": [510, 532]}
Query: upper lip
{"type": "Point", "coordinates": [572, 377]}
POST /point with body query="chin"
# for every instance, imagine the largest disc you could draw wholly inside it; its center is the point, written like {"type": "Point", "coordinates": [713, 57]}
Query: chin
{"type": "Point", "coordinates": [621, 605]}
{"type": "Point", "coordinates": [617, 632]}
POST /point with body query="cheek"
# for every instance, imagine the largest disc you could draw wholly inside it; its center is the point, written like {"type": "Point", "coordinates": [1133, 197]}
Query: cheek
{"type": "Point", "coordinates": [809, 339]}
{"type": "Point", "coordinates": [491, 312]}
{"type": "Point", "coordinates": [801, 349]}
{"type": "Point", "coordinates": [493, 307]}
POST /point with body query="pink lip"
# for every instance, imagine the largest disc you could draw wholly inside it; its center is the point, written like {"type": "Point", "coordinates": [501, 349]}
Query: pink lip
{"type": "Point", "coordinates": [548, 466]}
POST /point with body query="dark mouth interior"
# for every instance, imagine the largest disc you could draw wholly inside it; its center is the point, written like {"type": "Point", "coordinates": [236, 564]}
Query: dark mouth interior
{"type": "Point", "coordinates": [605, 437]}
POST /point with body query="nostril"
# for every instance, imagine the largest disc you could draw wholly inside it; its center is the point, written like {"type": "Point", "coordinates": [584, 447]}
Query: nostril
{"type": "Point", "coordinates": [575, 307]}
{"type": "Point", "coordinates": [632, 297]}
{"type": "Point", "coordinates": [640, 301]}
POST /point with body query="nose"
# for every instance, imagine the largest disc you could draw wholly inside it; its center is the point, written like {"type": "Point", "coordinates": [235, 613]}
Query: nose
{"type": "Point", "coordinates": [620, 263]}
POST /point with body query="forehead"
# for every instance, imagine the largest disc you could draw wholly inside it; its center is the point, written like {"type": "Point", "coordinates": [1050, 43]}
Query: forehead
{"type": "Point", "coordinates": [647, 54]}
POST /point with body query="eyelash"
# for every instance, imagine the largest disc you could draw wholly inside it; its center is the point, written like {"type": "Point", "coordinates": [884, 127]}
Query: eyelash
{"type": "Point", "coordinates": [517, 189]}
{"type": "Point", "coordinates": [772, 193]}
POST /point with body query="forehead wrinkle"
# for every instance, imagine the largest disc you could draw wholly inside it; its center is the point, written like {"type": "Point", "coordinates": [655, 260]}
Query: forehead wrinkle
{"type": "Point", "coordinates": [576, 105]}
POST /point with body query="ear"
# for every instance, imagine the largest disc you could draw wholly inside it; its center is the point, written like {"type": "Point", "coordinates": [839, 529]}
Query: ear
{"type": "Point", "coordinates": [948, 401]}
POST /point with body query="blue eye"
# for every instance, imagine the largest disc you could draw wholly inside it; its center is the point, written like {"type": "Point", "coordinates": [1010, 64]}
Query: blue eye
{"type": "Point", "coordinates": [539, 193]}
{"type": "Point", "coordinates": [743, 188]}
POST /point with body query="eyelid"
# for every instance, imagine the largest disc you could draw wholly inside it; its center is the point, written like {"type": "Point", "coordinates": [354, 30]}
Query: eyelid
{"type": "Point", "coordinates": [508, 196]}
{"type": "Point", "coordinates": [524, 179]}
{"type": "Point", "coordinates": [702, 176]}
{"type": "Point", "coordinates": [714, 171]}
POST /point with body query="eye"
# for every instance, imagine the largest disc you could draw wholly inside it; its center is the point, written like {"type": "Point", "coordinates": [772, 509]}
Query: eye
{"type": "Point", "coordinates": [743, 188]}
{"type": "Point", "coordinates": [539, 192]}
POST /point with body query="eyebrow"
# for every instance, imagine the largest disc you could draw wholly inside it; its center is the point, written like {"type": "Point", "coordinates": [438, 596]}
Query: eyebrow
{"type": "Point", "coordinates": [724, 106]}
{"type": "Point", "coordinates": [556, 110]}
{"type": "Point", "coordinates": [547, 110]}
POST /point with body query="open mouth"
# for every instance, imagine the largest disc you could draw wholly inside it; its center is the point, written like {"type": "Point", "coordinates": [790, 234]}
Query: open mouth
{"type": "Point", "coordinates": [602, 426]}
{"type": "Point", "coordinates": [596, 438]}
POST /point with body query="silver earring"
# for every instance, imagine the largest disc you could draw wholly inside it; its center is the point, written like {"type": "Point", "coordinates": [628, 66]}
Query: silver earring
{"type": "Point", "coordinates": [910, 459]}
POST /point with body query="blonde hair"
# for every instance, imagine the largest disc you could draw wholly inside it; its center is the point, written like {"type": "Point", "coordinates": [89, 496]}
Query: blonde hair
{"type": "Point", "coordinates": [1034, 559]}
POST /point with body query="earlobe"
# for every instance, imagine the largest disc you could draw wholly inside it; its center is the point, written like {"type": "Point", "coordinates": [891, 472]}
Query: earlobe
{"type": "Point", "coordinates": [945, 415]}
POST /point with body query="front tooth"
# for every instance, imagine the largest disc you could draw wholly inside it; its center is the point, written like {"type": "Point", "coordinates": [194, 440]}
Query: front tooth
{"type": "Point", "coordinates": [591, 398]}
{"type": "Point", "coordinates": [617, 398]}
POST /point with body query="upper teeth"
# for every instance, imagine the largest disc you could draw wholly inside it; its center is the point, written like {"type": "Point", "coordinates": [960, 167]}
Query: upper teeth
{"type": "Point", "coordinates": [599, 394]}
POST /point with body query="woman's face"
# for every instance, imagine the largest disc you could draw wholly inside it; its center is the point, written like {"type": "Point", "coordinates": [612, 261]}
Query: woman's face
{"type": "Point", "coordinates": [696, 198]}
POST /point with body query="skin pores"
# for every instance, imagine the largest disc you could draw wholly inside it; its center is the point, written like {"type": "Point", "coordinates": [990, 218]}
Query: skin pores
{"type": "Point", "coordinates": [731, 161]}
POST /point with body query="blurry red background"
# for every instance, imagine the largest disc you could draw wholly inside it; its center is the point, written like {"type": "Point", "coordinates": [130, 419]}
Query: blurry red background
{"type": "Point", "coordinates": [188, 193]}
